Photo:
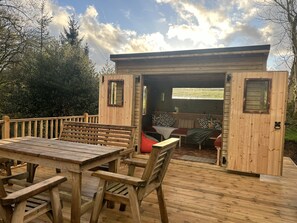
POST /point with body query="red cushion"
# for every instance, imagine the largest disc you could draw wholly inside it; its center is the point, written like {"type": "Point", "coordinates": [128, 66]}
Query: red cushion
{"type": "Point", "coordinates": [146, 144]}
{"type": "Point", "coordinates": [218, 141]}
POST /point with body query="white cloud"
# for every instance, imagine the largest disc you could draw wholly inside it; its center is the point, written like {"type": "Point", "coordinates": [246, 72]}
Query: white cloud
{"type": "Point", "coordinates": [107, 38]}
{"type": "Point", "coordinates": [194, 24]}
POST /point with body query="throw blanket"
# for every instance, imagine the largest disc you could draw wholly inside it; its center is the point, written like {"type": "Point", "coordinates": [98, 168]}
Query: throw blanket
{"type": "Point", "coordinates": [199, 135]}
{"type": "Point", "coordinates": [164, 131]}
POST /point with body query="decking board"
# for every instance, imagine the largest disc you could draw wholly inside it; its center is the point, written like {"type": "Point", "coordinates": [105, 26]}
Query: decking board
{"type": "Point", "coordinates": [197, 192]}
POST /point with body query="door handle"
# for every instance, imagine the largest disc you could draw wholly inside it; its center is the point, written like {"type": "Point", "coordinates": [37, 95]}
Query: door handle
{"type": "Point", "coordinates": [277, 125]}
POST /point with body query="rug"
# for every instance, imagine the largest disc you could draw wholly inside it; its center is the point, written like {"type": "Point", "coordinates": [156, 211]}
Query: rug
{"type": "Point", "coordinates": [198, 159]}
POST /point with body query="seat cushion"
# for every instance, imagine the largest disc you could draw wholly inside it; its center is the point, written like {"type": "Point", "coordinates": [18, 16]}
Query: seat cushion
{"type": "Point", "coordinates": [147, 143]}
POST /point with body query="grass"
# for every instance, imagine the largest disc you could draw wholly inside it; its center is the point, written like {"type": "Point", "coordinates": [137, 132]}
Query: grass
{"type": "Point", "coordinates": [291, 133]}
{"type": "Point", "coordinates": [198, 93]}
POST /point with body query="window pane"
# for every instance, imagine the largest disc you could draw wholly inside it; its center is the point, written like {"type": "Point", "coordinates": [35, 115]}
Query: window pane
{"type": "Point", "coordinates": [144, 100]}
{"type": "Point", "coordinates": [115, 93]}
{"type": "Point", "coordinates": [198, 93]}
{"type": "Point", "coordinates": [257, 94]}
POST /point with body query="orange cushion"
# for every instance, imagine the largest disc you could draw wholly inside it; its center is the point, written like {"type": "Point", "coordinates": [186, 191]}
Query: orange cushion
{"type": "Point", "coordinates": [146, 144]}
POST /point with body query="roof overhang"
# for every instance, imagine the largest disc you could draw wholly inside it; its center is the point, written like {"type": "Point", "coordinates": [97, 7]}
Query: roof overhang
{"type": "Point", "coordinates": [228, 51]}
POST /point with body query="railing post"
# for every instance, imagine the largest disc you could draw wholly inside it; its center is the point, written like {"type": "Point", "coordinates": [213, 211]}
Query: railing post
{"type": "Point", "coordinates": [6, 127]}
{"type": "Point", "coordinates": [86, 117]}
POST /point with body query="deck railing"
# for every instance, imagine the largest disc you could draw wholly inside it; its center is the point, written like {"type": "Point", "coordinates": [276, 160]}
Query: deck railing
{"type": "Point", "coordinates": [47, 127]}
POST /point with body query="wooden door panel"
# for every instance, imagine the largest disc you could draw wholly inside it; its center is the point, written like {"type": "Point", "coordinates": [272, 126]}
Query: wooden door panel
{"type": "Point", "coordinates": [116, 115]}
{"type": "Point", "coordinates": [254, 145]}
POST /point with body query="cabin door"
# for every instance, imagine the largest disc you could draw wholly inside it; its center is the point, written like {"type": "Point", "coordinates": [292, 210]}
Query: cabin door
{"type": "Point", "coordinates": [257, 122]}
{"type": "Point", "coordinates": [116, 95]}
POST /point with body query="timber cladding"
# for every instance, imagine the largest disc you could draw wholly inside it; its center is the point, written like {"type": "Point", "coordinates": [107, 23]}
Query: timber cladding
{"type": "Point", "coordinates": [116, 115]}
{"type": "Point", "coordinates": [255, 144]}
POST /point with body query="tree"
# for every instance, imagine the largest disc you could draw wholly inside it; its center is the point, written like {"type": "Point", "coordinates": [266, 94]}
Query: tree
{"type": "Point", "coordinates": [42, 29]}
{"type": "Point", "coordinates": [70, 36]}
{"type": "Point", "coordinates": [107, 68]}
{"type": "Point", "coordinates": [283, 13]}
{"type": "Point", "coordinates": [62, 82]}
{"type": "Point", "coordinates": [50, 78]}
{"type": "Point", "coordinates": [86, 49]}
{"type": "Point", "coordinates": [12, 35]}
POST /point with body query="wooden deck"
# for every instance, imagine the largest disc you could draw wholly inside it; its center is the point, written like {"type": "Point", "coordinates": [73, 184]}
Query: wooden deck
{"type": "Point", "coordinates": [197, 192]}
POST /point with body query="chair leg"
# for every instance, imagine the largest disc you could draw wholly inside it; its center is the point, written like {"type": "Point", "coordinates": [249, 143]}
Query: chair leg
{"type": "Point", "coordinates": [19, 212]}
{"type": "Point", "coordinates": [134, 205]}
{"type": "Point", "coordinates": [7, 167]}
{"type": "Point", "coordinates": [98, 201]}
{"type": "Point", "coordinates": [131, 171]}
{"type": "Point", "coordinates": [56, 205]}
{"type": "Point", "coordinates": [162, 205]}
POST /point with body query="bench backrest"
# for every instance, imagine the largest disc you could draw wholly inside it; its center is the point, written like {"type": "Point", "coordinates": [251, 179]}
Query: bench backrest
{"type": "Point", "coordinates": [99, 134]}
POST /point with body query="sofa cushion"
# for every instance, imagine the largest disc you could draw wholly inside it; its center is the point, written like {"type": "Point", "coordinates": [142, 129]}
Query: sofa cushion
{"type": "Point", "coordinates": [163, 119]}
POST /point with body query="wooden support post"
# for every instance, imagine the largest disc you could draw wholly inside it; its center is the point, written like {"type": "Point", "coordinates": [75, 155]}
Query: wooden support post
{"type": "Point", "coordinates": [6, 127]}
{"type": "Point", "coordinates": [86, 117]}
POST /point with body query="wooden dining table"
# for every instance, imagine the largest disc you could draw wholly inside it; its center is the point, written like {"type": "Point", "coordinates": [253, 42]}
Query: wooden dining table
{"type": "Point", "coordinates": [72, 157]}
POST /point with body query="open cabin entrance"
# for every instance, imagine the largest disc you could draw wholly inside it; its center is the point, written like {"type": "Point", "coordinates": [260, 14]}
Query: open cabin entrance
{"type": "Point", "coordinates": [191, 106]}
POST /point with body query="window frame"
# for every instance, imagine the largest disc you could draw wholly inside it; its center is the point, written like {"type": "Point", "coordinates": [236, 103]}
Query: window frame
{"type": "Point", "coordinates": [109, 93]}
{"type": "Point", "coordinates": [267, 110]}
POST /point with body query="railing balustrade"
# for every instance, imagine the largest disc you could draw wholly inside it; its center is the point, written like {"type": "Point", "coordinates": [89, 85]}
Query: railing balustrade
{"type": "Point", "coordinates": [47, 127]}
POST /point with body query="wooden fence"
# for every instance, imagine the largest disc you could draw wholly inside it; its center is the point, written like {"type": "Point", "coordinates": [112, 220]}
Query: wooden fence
{"type": "Point", "coordinates": [48, 127]}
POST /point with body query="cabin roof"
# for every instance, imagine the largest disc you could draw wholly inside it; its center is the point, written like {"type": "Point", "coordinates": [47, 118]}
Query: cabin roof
{"type": "Point", "coordinates": [243, 50]}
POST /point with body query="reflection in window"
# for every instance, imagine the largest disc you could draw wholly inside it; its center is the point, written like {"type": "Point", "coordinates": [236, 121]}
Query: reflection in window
{"type": "Point", "coordinates": [115, 93]}
{"type": "Point", "coordinates": [257, 95]}
{"type": "Point", "coordinates": [144, 100]}
{"type": "Point", "coordinates": [198, 93]}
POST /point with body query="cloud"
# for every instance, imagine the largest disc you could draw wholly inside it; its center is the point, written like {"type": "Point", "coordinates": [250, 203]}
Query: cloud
{"type": "Point", "coordinates": [103, 38]}
{"type": "Point", "coordinates": [60, 18]}
{"type": "Point", "coordinates": [108, 38]}
{"type": "Point", "coordinates": [216, 23]}
{"type": "Point", "coordinates": [193, 24]}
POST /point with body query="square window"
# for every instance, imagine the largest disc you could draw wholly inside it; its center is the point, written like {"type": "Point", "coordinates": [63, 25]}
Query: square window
{"type": "Point", "coordinates": [257, 95]}
{"type": "Point", "coordinates": [116, 93]}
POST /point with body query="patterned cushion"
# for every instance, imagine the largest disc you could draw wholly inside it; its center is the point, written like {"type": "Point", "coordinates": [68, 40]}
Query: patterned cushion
{"type": "Point", "coordinates": [164, 119]}
{"type": "Point", "coordinates": [203, 122]}
{"type": "Point", "coordinates": [217, 125]}
{"type": "Point", "coordinates": [155, 120]}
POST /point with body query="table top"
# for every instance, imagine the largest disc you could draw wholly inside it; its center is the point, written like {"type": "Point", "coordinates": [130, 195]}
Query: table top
{"type": "Point", "coordinates": [58, 150]}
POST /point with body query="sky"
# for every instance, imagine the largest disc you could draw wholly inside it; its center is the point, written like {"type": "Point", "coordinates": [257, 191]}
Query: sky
{"type": "Point", "coordinates": [135, 26]}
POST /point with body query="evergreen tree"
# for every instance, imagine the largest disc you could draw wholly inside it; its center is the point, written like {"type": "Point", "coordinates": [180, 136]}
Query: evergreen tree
{"type": "Point", "coordinates": [63, 82]}
{"type": "Point", "coordinates": [70, 36]}
{"type": "Point", "coordinates": [108, 68]}
{"type": "Point", "coordinates": [86, 49]}
{"type": "Point", "coordinates": [42, 30]}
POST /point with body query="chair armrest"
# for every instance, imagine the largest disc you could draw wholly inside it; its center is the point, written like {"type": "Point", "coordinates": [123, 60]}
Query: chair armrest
{"type": "Point", "coordinates": [32, 190]}
{"type": "Point", "coordinates": [120, 178]}
{"type": "Point", "coordinates": [126, 152]}
{"type": "Point", "coordinates": [134, 162]}
{"type": "Point", "coordinates": [19, 176]}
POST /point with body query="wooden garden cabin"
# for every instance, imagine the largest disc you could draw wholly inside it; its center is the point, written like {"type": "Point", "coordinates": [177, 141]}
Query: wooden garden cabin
{"type": "Point", "coordinates": [252, 110]}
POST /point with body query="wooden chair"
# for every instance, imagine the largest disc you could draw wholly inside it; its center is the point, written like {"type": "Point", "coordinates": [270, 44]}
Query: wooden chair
{"type": "Point", "coordinates": [27, 203]}
{"type": "Point", "coordinates": [5, 164]}
{"type": "Point", "coordinates": [130, 190]}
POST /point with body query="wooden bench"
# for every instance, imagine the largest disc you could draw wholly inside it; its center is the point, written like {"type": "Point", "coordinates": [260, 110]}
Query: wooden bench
{"type": "Point", "coordinates": [99, 134]}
